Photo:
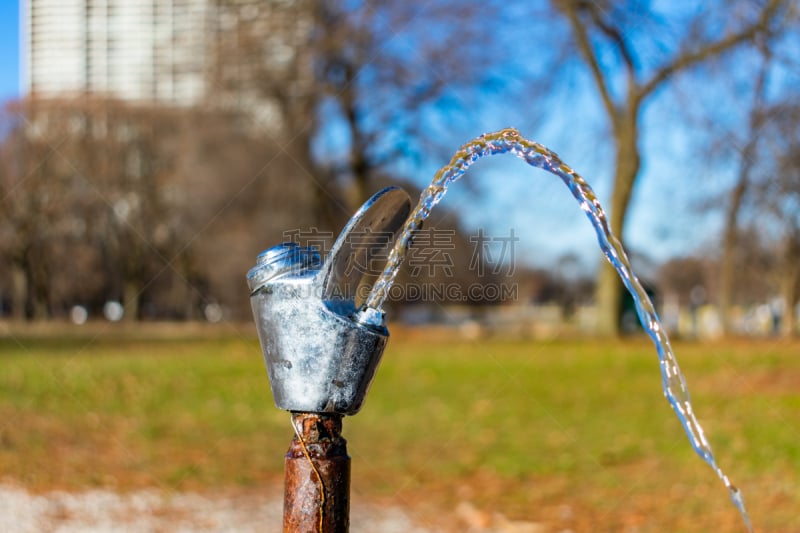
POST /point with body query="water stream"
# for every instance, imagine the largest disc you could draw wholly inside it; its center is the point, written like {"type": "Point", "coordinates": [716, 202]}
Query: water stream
{"type": "Point", "coordinates": [510, 141]}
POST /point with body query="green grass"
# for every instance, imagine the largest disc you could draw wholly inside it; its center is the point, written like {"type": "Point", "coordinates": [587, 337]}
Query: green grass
{"type": "Point", "coordinates": [573, 434]}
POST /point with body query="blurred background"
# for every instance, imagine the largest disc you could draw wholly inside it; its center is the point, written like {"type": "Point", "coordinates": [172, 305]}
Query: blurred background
{"type": "Point", "coordinates": [151, 150]}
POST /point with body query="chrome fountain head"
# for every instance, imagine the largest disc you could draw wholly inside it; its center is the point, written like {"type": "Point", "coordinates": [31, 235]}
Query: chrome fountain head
{"type": "Point", "coordinates": [320, 350]}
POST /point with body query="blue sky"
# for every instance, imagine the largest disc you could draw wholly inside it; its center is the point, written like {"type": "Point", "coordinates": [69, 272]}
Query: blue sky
{"type": "Point", "coordinates": [9, 49]}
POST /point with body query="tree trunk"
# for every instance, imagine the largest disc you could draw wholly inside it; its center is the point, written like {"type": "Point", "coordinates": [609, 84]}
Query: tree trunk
{"type": "Point", "coordinates": [36, 288]}
{"type": "Point", "coordinates": [609, 287]}
{"type": "Point", "coordinates": [609, 301]}
{"type": "Point", "coordinates": [131, 295]}
{"type": "Point", "coordinates": [730, 231]}
{"type": "Point", "coordinates": [18, 292]}
{"type": "Point", "coordinates": [729, 241]}
{"type": "Point", "coordinates": [789, 292]}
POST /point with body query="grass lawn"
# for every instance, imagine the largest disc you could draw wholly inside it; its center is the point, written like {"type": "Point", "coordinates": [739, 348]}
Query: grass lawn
{"type": "Point", "coordinates": [574, 434]}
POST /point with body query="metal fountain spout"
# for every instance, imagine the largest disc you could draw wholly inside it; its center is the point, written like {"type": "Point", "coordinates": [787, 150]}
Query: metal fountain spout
{"type": "Point", "coordinates": [321, 350]}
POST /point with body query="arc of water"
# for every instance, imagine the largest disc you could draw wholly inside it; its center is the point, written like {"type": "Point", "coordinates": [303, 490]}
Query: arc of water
{"type": "Point", "coordinates": [510, 141]}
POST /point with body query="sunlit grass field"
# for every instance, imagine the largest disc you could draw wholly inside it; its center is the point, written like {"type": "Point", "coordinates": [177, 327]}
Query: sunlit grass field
{"type": "Point", "coordinates": [572, 434]}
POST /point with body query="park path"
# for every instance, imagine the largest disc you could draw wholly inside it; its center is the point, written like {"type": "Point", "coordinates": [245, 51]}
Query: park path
{"type": "Point", "coordinates": [149, 511]}
{"type": "Point", "coordinates": [102, 511]}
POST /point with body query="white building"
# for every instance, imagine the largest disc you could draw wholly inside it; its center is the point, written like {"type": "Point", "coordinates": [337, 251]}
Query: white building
{"type": "Point", "coordinates": [144, 50]}
{"type": "Point", "coordinates": [175, 52]}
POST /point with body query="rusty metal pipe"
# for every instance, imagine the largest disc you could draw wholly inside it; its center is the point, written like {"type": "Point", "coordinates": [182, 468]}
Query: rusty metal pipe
{"type": "Point", "coordinates": [317, 476]}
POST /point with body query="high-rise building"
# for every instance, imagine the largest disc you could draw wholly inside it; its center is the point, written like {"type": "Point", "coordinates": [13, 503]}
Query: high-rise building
{"type": "Point", "coordinates": [145, 50]}
{"type": "Point", "coordinates": [164, 51]}
{"type": "Point", "coordinates": [223, 54]}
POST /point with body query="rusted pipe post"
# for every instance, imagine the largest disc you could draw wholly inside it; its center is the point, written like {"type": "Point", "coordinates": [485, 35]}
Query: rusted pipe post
{"type": "Point", "coordinates": [317, 476]}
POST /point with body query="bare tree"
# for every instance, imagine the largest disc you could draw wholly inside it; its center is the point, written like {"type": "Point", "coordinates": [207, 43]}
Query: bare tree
{"type": "Point", "coordinates": [747, 158]}
{"type": "Point", "coordinates": [85, 187]}
{"type": "Point", "coordinates": [779, 196]}
{"type": "Point", "coordinates": [159, 208]}
{"type": "Point", "coordinates": [385, 67]}
{"type": "Point", "coordinates": [233, 194]}
{"type": "Point", "coordinates": [611, 39]}
{"type": "Point", "coordinates": [263, 66]}
{"type": "Point", "coordinates": [36, 192]}
{"type": "Point", "coordinates": [355, 84]}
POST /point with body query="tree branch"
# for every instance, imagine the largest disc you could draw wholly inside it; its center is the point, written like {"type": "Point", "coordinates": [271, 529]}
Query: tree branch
{"type": "Point", "coordinates": [691, 58]}
{"type": "Point", "coordinates": [615, 35]}
{"type": "Point", "coordinates": [585, 48]}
